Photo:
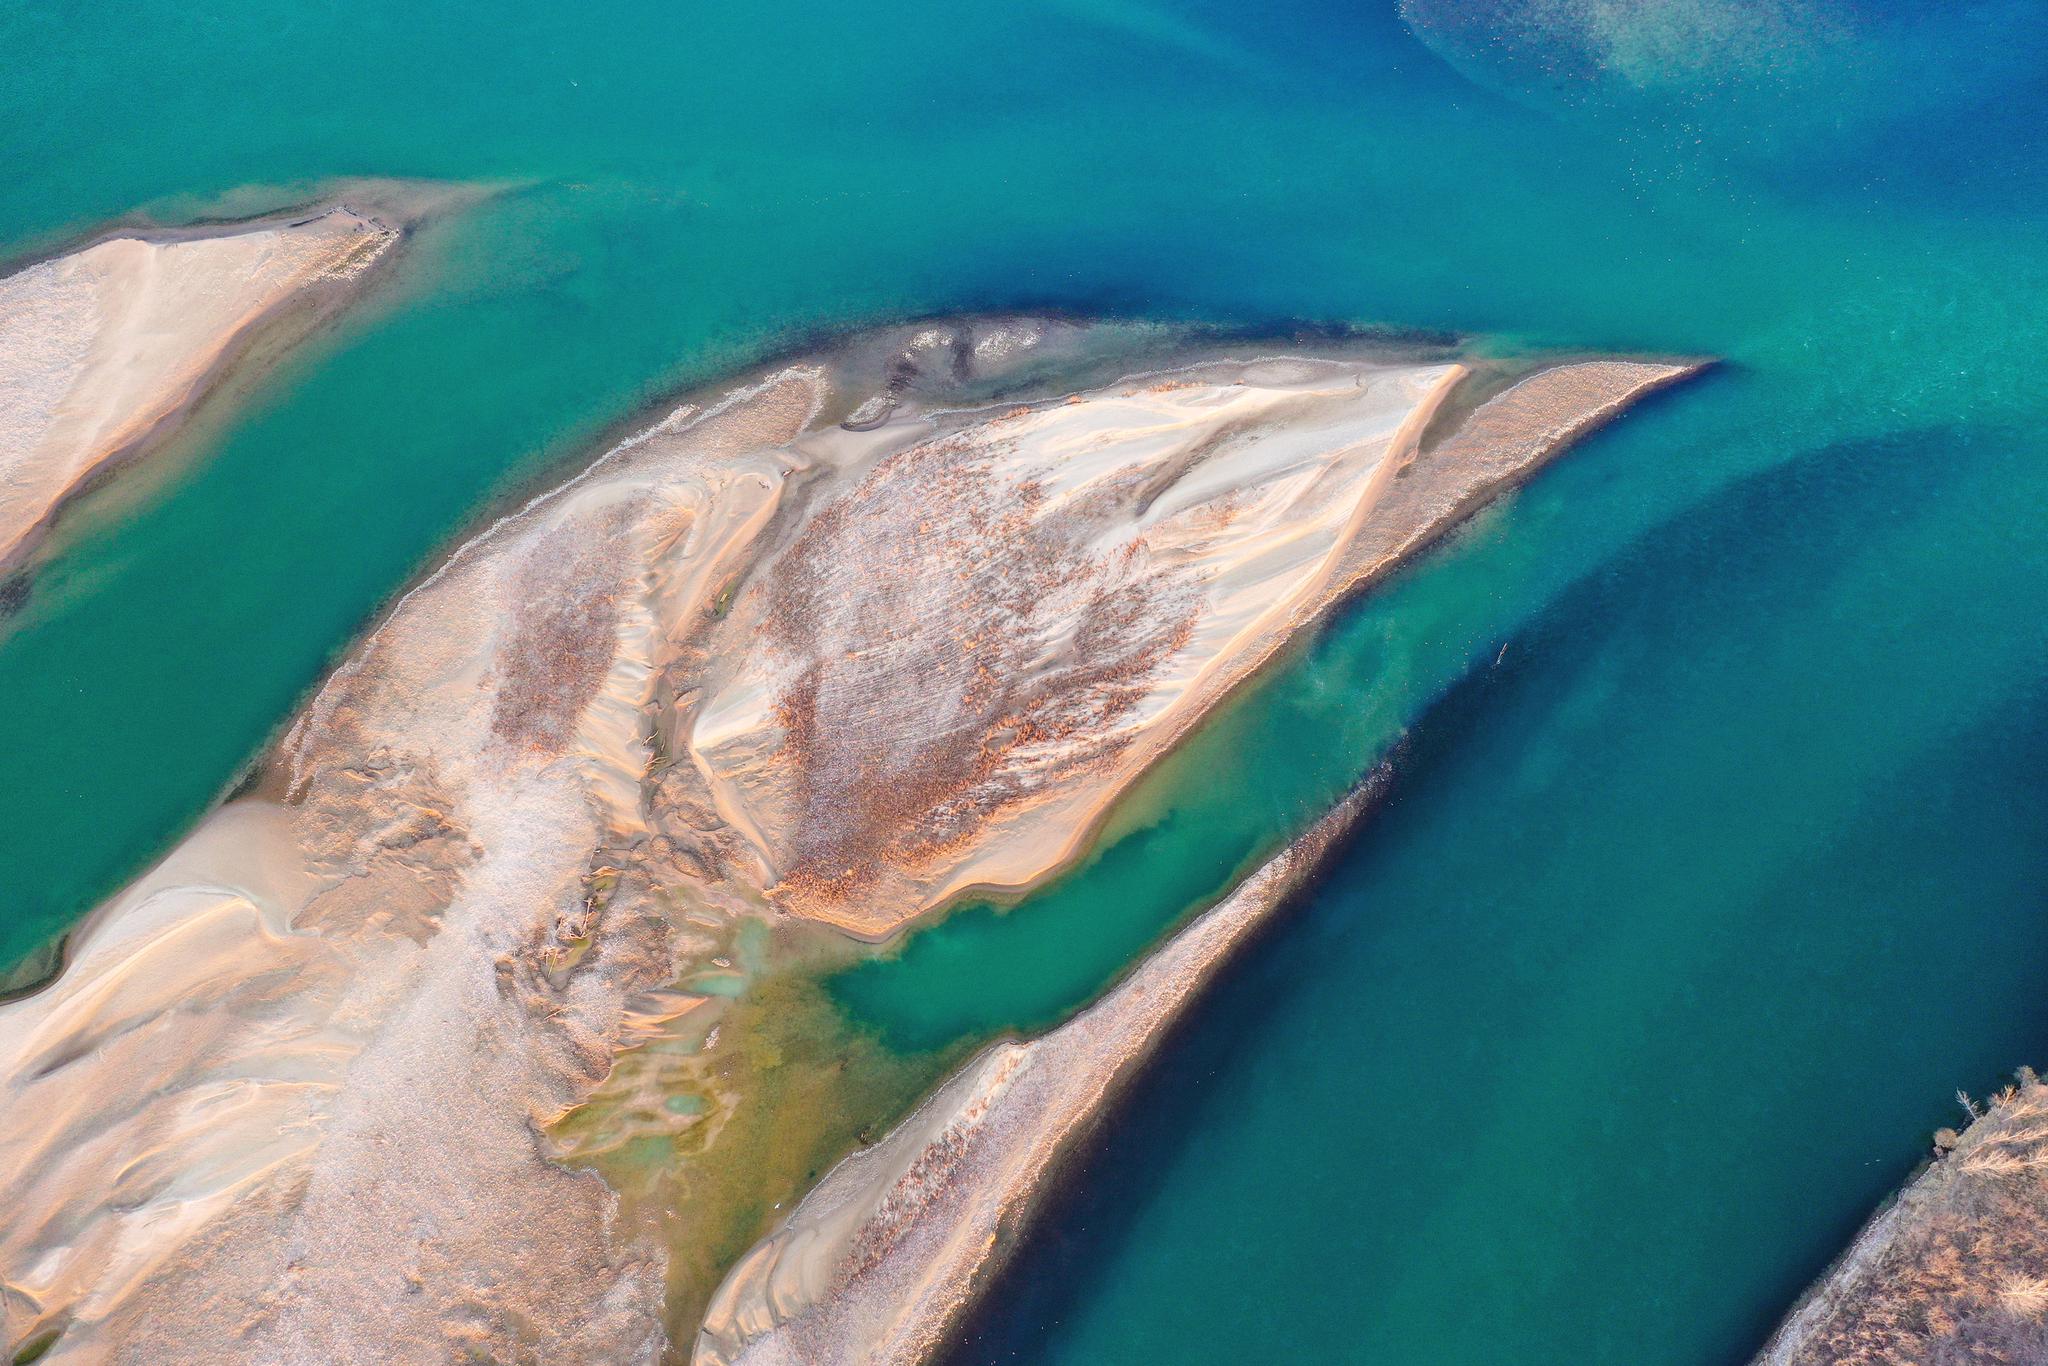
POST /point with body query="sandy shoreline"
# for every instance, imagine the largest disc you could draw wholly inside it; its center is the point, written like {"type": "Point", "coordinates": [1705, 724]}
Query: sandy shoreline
{"type": "Point", "coordinates": [106, 346]}
{"type": "Point", "coordinates": [856, 633]}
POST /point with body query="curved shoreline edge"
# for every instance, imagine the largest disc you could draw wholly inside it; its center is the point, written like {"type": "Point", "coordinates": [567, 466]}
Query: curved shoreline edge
{"type": "Point", "coordinates": [110, 343]}
{"type": "Point", "coordinates": [887, 1253]}
{"type": "Point", "coordinates": [204, 374]}
{"type": "Point", "coordinates": [146, 328]}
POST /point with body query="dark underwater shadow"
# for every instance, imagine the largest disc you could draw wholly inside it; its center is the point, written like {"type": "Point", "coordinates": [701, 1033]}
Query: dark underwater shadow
{"type": "Point", "coordinates": [1766, 535]}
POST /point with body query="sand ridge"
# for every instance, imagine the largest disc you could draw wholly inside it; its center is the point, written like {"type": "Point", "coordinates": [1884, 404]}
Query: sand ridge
{"type": "Point", "coordinates": [961, 659]}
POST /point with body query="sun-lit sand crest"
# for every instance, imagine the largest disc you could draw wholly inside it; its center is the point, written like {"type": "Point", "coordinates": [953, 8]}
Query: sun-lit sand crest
{"type": "Point", "coordinates": [101, 348]}
{"type": "Point", "coordinates": [832, 647]}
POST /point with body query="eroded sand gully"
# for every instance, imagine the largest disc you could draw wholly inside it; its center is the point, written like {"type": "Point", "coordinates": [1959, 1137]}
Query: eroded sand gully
{"type": "Point", "coordinates": [830, 646]}
{"type": "Point", "coordinates": [99, 349]}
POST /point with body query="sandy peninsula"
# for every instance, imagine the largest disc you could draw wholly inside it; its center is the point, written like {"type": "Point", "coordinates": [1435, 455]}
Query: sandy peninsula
{"type": "Point", "coordinates": [1953, 1270]}
{"type": "Point", "coordinates": [102, 349]}
{"type": "Point", "coordinates": [824, 646]}
{"type": "Point", "coordinates": [959, 662]}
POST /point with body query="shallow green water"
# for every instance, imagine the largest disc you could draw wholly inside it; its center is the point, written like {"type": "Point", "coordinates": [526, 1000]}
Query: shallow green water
{"type": "Point", "coordinates": [1686, 915]}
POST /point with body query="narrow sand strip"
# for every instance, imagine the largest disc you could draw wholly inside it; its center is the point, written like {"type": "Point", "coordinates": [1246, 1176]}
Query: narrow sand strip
{"type": "Point", "coordinates": [878, 1262]}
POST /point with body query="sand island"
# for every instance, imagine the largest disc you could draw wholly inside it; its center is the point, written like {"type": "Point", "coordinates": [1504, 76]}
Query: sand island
{"type": "Point", "coordinates": [361, 1069]}
{"type": "Point", "coordinates": [104, 348]}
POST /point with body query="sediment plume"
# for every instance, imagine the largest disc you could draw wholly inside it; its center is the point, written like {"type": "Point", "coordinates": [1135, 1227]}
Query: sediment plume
{"type": "Point", "coordinates": [879, 1261]}
{"type": "Point", "coordinates": [826, 646]}
{"type": "Point", "coordinates": [1953, 1270]}
{"type": "Point", "coordinates": [103, 349]}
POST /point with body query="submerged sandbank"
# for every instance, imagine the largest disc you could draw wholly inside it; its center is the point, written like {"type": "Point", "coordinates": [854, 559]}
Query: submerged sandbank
{"type": "Point", "coordinates": [103, 348]}
{"type": "Point", "coordinates": [1955, 1268]}
{"type": "Point", "coordinates": [826, 646]}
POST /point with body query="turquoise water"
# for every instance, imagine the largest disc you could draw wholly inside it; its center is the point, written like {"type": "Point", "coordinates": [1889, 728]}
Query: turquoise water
{"type": "Point", "coordinates": [1261, 770]}
{"type": "Point", "coordinates": [1686, 915]}
{"type": "Point", "coordinates": [1645, 985]}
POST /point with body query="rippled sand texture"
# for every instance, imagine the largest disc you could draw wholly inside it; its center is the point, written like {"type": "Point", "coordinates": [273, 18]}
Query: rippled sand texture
{"type": "Point", "coordinates": [285, 1101]}
{"type": "Point", "coordinates": [1956, 1270]}
{"type": "Point", "coordinates": [959, 661]}
{"type": "Point", "coordinates": [964, 655]}
{"type": "Point", "coordinates": [100, 348]}
{"type": "Point", "coordinates": [879, 1260]}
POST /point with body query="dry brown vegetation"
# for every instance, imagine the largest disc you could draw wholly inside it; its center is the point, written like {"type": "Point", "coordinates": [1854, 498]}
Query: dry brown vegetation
{"type": "Point", "coordinates": [563, 641]}
{"type": "Point", "coordinates": [1957, 1271]}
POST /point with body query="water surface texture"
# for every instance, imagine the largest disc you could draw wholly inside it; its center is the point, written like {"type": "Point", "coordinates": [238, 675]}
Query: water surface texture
{"type": "Point", "coordinates": [1690, 907]}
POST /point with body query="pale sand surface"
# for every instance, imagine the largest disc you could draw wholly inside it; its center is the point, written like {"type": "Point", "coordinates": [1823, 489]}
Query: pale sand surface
{"type": "Point", "coordinates": [960, 661]}
{"type": "Point", "coordinates": [101, 347]}
{"type": "Point", "coordinates": [285, 1102]}
{"type": "Point", "coordinates": [877, 1263]}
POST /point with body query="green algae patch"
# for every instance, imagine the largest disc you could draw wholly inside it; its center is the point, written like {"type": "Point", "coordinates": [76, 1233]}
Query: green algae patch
{"type": "Point", "coordinates": [710, 1131]}
{"type": "Point", "coordinates": [37, 1347]}
{"type": "Point", "coordinates": [716, 983]}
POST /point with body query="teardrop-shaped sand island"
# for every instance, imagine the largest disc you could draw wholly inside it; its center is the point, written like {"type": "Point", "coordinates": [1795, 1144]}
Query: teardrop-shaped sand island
{"type": "Point", "coordinates": [357, 1072]}
{"type": "Point", "coordinates": [104, 348]}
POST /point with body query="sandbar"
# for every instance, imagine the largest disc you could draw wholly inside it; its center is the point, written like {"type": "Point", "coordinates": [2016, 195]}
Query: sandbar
{"type": "Point", "coordinates": [103, 348]}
